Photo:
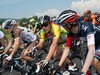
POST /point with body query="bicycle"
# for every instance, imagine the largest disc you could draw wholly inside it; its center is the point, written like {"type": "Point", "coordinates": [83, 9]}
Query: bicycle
{"type": "Point", "coordinates": [11, 68]}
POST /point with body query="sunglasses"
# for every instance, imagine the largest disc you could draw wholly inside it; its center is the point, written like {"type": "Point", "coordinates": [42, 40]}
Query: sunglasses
{"type": "Point", "coordinates": [44, 25]}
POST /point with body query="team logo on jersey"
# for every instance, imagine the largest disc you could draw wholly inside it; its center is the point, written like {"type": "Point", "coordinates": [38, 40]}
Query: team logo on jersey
{"type": "Point", "coordinates": [89, 36]}
{"type": "Point", "coordinates": [84, 27]}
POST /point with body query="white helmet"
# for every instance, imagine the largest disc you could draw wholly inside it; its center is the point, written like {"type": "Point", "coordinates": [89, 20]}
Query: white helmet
{"type": "Point", "coordinates": [8, 23]}
{"type": "Point", "coordinates": [13, 22]}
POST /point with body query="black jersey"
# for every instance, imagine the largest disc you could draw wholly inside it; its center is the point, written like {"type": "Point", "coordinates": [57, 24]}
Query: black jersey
{"type": "Point", "coordinates": [85, 31]}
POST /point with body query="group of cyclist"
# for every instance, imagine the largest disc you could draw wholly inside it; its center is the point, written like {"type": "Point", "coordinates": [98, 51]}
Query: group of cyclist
{"type": "Point", "coordinates": [67, 26]}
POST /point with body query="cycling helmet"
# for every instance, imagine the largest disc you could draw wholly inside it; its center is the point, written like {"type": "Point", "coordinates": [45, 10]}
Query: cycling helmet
{"type": "Point", "coordinates": [32, 20]}
{"type": "Point", "coordinates": [24, 23]}
{"type": "Point", "coordinates": [13, 22]}
{"type": "Point", "coordinates": [67, 16]}
{"type": "Point", "coordinates": [4, 23]}
{"type": "Point", "coordinates": [54, 18]}
{"type": "Point", "coordinates": [8, 23]}
{"type": "Point", "coordinates": [44, 19]}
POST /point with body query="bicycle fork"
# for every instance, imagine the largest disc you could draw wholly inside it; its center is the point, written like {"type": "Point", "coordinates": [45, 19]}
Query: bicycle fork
{"type": "Point", "coordinates": [11, 70]}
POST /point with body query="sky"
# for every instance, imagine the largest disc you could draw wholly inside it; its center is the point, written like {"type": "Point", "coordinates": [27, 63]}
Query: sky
{"type": "Point", "coordinates": [28, 8]}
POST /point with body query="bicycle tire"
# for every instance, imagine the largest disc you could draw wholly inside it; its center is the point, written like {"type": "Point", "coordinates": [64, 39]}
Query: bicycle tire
{"type": "Point", "coordinates": [79, 63]}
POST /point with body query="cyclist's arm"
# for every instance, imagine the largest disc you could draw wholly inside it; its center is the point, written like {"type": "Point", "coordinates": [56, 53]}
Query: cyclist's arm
{"type": "Point", "coordinates": [41, 36]}
{"type": "Point", "coordinates": [57, 32]}
{"type": "Point", "coordinates": [16, 45]}
{"type": "Point", "coordinates": [66, 50]}
{"type": "Point", "coordinates": [38, 35]}
{"type": "Point", "coordinates": [52, 49]}
{"type": "Point", "coordinates": [64, 55]}
{"type": "Point", "coordinates": [91, 52]}
{"type": "Point", "coordinates": [40, 44]}
{"type": "Point", "coordinates": [10, 42]}
{"type": "Point", "coordinates": [30, 46]}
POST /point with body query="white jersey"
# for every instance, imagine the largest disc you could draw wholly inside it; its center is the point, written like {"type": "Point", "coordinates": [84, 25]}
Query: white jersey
{"type": "Point", "coordinates": [27, 37]}
{"type": "Point", "coordinates": [1, 34]}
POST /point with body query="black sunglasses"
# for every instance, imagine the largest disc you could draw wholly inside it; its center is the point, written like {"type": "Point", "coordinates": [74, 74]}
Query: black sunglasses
{"type": "Point", "coordinates": [44, 25]}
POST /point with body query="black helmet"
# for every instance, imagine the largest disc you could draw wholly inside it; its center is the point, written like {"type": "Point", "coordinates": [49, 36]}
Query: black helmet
{"type": "Point", "coordinates": [67, 16]}
{"type": "Point", "coordinates": [44, 19]}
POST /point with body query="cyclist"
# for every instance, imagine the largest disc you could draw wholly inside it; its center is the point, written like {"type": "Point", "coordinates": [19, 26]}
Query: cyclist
{"type": "Point", "coordinates": [95, 18]}
{"type": "Point", "coordinates": [22, 37]}
{"type": "Point", "coordinates": [34, 24]}
{"type": "Point", "coordinates": [57, 33]}
{"type": "Point", "coordinates": [87, 16]}
{"type": "Point", "coordinates": [7, 27]}
{"type": "Point", "coordinates": [25, 24]}
{"type": "Point", "coordinates": [81, 29]}
{"type": "Point", "coordinates": [91, 17]}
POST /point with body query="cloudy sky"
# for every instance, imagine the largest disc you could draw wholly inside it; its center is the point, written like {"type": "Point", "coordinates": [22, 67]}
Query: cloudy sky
{"type": "Point", "coordinates": [28, 8]}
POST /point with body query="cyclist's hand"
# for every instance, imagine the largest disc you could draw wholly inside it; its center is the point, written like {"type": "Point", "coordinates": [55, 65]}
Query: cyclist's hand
{"type": "Point", "coordinates": [43, 63]}
{"type": "Point", "coordinates": [27, 51]}
{"type": "Point", "coordinates": [6, 60]}
{"type": "Point", "coordinates": [30, 51]}
{"type": "Point", "coordinates": [3, 56]}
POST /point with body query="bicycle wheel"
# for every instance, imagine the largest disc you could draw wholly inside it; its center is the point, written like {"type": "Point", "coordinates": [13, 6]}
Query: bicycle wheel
{"type": "Point", "coordinates": [79, 63]}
